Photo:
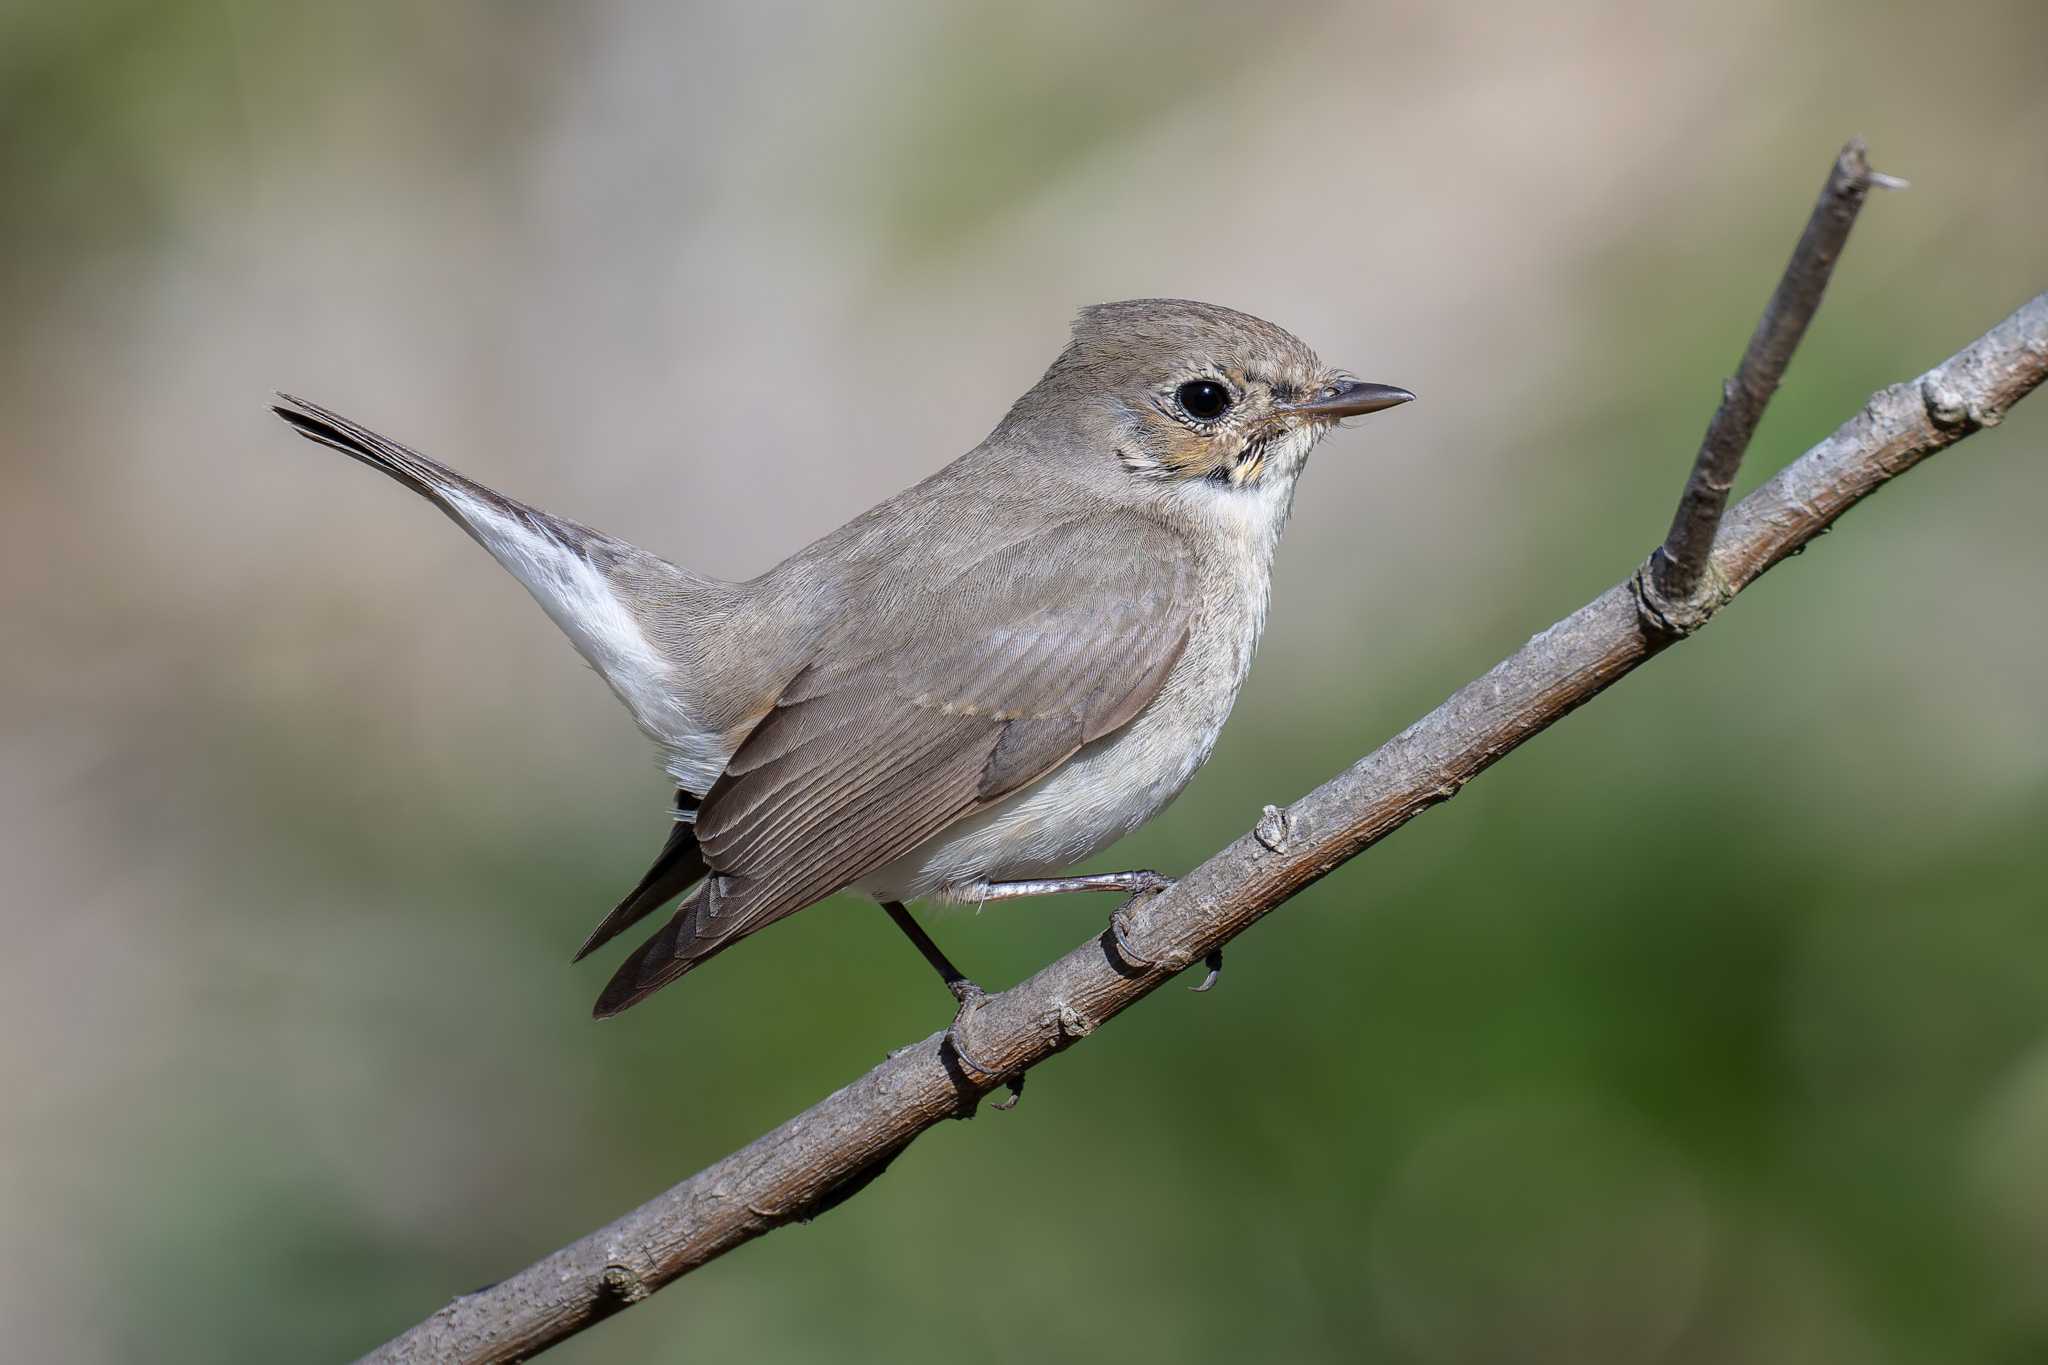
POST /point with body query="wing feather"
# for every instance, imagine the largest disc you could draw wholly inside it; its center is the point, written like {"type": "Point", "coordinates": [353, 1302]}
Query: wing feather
{"type": "Point", "coordinates": [926, 706]}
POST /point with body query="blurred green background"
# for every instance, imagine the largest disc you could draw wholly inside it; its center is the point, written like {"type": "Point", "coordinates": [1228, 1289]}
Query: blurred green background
{"type": "Point", "coordinates": [1712, 1027]}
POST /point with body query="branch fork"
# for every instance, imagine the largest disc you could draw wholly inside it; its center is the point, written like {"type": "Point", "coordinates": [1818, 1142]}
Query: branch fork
{"type": "Point", "coordinates": [1675, 587]}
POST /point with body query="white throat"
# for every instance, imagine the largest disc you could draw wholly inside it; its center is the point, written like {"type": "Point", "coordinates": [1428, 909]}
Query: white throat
{"type": "Point", "coordinates": [1251, 517]}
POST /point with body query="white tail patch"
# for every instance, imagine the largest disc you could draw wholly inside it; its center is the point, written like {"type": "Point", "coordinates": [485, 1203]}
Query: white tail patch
{"type": "Point", "coordinates": [582, 601]}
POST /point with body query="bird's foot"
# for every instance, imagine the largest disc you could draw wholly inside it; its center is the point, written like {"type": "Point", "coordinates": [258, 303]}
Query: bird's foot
{"type": "Point", "coordinates": [1143, 882]}
{"type": "Point", "coordinates": [1151, 884]}
{"type": "Point", "coordinates": [1139, 884]}
{"type": "Point", "coordinates": [972, 998]}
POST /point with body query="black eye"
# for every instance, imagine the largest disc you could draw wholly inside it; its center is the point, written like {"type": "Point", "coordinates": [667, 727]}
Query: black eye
{"type": "Point", "coordinates": [1203, 399]}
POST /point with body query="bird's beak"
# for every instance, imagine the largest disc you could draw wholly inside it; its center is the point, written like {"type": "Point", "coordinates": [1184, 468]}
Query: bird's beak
{"type": "Point", "coordinates": [1347, 398]}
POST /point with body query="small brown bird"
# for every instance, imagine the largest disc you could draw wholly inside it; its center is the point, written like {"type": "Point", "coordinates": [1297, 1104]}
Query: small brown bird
{"type": "Point", "coordinates": [973, 686]}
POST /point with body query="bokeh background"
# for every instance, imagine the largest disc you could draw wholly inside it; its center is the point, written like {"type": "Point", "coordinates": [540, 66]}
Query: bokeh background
{"type": "Point", "coordinates": [1711, 1027]}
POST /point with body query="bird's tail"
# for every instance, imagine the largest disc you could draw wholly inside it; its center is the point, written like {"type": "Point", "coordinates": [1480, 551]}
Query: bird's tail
{"type": "Point", "coordinates": [429, 479]}
{"type": "Point", "coordinates": [691, 937]}
{"type": "Point", "coordinates": [506, 527]}
{"type": "Point", "coordinates": [597, 588]}
{"type": "Point", "coordinates": [678, 867]}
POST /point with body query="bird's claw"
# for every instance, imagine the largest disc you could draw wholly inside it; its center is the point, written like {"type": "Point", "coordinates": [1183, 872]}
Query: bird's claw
{"type": "Point", "coordinates": [1214, 962]}
{"type": "Point", "coordinates": [1143, 884]}
{"type": "Point", "coordinates": [972, 998]}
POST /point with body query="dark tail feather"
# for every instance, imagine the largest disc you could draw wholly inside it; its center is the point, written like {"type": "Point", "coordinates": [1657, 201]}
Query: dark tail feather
{"type": "Point", "coordinates": [720, 914]}
{"type": "Point", "coordinates": [449, 490]}
{"type": "Point", "coordinates": [681, 863]}
{"type": "Point", "coordinates": [674, 949]}
{"type": "Point", "coordinates": [358, 442]}
{"type": "Point", "coordinates": [650, 967]}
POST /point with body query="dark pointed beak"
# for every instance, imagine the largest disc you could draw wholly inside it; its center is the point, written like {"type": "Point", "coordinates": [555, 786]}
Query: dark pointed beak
{"type": "Point", "coordinates": [1349, 398]}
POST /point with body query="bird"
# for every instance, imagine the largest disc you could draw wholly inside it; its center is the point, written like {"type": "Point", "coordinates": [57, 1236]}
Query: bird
{"type": "Point", "coordinates": [968, 689]}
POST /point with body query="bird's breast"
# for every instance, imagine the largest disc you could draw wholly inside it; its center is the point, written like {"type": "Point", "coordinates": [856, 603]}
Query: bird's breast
{"type": "Point", "coordinates": [1115, 784]}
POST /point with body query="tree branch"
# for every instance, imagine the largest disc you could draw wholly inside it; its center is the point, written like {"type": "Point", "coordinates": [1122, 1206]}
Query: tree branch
{"type": "Point", "coordinates": [833, 1149]}
{"type": "Point", "coordinates": [1682, 563]}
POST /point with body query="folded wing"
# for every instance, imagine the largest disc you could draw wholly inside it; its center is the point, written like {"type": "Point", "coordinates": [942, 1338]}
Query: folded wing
{"type": "Point", "coordinates": [920, 709]}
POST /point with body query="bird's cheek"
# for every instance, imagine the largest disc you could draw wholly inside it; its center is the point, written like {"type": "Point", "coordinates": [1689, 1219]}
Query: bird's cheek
{"type": "Point", "coordinates": [1189, 454]}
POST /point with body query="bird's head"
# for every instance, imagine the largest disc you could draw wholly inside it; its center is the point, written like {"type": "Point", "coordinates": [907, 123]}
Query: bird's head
{"type": "Point", "coordinates": [1177, 392]}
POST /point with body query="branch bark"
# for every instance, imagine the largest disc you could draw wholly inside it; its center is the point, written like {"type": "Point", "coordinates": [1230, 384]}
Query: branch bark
{"type": "Point", "coordinates": [1682, 563]}
{"type": "Point", "coordinates": [833, 1149]}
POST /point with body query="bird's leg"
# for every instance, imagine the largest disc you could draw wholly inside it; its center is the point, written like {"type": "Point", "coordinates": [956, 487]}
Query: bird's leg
{"type": "Point", "coordinates": [956, 981]}
{"type": "Point", "coordinates": [1134, 884]}
{"type": "Point", "coordinates": [1140, 883]}
{"type": "Point", "coordinates": [970, 996]}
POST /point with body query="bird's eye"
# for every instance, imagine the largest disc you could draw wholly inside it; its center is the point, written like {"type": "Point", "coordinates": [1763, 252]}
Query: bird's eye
{"type": "Point", "coordinates": [1203, 399]}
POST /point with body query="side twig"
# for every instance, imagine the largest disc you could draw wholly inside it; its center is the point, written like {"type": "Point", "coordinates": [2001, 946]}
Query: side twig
{"type": "Point", "coordinates": [1679, 567]}
{"type": "Point", "coordinates": [832, 1150]}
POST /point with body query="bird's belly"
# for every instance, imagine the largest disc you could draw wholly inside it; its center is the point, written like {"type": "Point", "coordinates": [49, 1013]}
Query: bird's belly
{"type": "Point", "coordinates": [1101, 794]}
{"type": "Point", "coordinates": [1096, 797]}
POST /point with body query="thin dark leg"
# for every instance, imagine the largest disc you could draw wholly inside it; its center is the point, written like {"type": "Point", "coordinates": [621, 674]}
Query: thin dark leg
{"type": "Point", "coordinates": [966, 992]}
{"type": "Point", "coordinates": [956, 980]}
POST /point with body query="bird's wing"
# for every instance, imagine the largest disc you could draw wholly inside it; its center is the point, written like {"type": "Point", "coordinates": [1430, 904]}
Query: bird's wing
{"type": "Point", "coordinates": [679, 866]}
{"type": "Point", "coordinates": [921, 708]}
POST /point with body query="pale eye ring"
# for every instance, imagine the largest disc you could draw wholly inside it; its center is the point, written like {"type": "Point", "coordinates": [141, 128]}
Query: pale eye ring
{"type": "Point", "coordinates": [1205, 400]}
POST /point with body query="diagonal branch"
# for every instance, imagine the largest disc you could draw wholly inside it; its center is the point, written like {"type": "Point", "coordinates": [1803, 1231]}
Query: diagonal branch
{"type": "Point", "coordinates": [1682, 562]}
{"type": "Point", "coordinates": [832, 1150]}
